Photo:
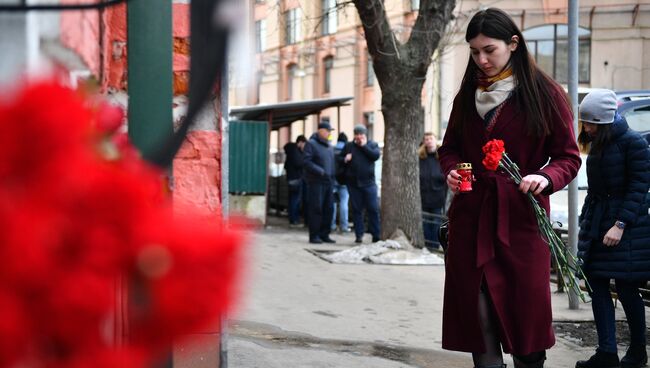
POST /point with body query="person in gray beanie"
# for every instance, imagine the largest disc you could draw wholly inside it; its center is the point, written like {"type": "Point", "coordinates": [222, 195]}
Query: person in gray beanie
{"type": "Point", "coordinates": [614, 237]}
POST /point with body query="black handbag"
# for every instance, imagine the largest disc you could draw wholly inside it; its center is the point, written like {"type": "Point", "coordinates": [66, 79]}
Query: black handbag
{"type": "Point", "coordinates": [443, 232]}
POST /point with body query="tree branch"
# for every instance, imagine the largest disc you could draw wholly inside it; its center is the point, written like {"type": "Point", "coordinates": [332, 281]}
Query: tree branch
{"type": "Point", "coordinates": [429, 28]}
{"type": "Point", "coordinates": [380, 39]}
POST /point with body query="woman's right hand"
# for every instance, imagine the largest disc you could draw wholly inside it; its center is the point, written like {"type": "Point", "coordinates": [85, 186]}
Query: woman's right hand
{"type": "Point", "coordinates": [453, 181]}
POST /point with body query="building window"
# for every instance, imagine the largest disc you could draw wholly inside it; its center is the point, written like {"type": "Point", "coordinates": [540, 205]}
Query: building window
{"type": "Point", "coordinates": [328, 65]}
{"type": "Point", "coordinates": [291, 77]}
{"type": "Point", "coordinates": [370, 71]}
{"type": "Point", "coordinates": [259, 77]}
{"type": "Point", "coordinates": [369, 122]}
{"type": "Point", "coordinates": [549, 46]}
{"type": "Point", "coordinates": [292, 26]}
{"type": "Point", "coordinates": [260, 35]}
{"type": "Point", "coordinates": [415, 5]}
{"type": "Point", "coordinates": [330, 16]}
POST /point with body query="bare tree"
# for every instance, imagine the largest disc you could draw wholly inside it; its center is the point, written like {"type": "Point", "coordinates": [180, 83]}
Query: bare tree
{"type": "Point", "coordinates": [400, 69]}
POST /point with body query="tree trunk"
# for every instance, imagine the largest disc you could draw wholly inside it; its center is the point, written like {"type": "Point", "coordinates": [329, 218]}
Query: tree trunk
{"type": "Point", "coordinates": [401, 70]}
{"type": "Point", "coordinates": [400, 182]}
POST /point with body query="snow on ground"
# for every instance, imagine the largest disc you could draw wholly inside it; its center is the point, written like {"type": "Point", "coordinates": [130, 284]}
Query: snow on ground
{"type": "Point", "coordinates": [385, 252]}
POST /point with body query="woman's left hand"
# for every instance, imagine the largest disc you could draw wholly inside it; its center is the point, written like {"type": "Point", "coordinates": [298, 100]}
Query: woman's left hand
{"type": "Point", "coordinates": [533, 183]}
{"type": "Point", "coordinates": [613, 236]}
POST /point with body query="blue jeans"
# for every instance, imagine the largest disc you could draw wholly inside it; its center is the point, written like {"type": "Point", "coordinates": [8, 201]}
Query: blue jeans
{"type": "Point", "coordinates": [295, 198]}
{"type": "Point", "coordinates": [431, 220]}
{"type": "Point", "coordinates": [365, 198]}
{"type": "Point", "coordinates": [603, 308]}
{"type": "Point", "coordinates": [344, 197]}
{"type": "Point", "coordinates": [321, 200]}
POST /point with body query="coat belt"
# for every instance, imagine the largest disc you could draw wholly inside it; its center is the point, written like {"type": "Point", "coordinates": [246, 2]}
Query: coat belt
{"type": "Point", "coordinates": [494, 220]}
{"type": "Point", "coordinates": [598, 205]}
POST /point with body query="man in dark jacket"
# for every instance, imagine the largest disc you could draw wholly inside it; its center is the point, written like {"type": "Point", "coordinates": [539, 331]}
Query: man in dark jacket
{"type": "Point", "coordinates": [319, 174]}
{"type": "Point", "coordinates": [360, 156]}
{"type": "Point", "coordinates": [293, 167]}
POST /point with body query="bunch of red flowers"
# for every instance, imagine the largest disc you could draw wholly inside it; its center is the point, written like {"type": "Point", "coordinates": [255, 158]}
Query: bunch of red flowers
{"type": "Point", "coordinates": [80, 215]}
{"type": "Point", "coordinates": [493, 151]}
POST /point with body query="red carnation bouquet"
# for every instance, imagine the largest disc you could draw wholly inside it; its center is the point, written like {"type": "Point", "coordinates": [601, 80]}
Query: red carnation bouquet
{"type": "Point", "coordinates": [82, 214]}
{"type": "Point", "coordinates": [567, 264]}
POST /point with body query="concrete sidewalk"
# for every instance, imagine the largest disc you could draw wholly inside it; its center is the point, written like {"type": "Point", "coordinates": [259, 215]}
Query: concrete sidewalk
{"type": "Point", "coordinates": [297, 310]}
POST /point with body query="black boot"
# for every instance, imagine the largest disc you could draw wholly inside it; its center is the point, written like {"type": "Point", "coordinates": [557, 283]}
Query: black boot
{"type": "Point", "coordinates": [522, 362]}
{"type": "Point", "coordinates": [600, 360]}
{"type": "Point", "coordinates": [635, 357]}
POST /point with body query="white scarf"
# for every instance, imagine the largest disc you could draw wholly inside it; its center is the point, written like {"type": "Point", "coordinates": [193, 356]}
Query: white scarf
{"type": "Point", "coordinates": [494, 95]}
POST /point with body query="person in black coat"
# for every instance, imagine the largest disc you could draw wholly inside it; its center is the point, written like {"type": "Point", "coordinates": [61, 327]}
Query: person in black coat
{"type": "Point", "coordinates": [293, 167]}
{"type": "Point", "coordinates": [319, 174]}
{"type": "Point", "coordinates": [433, 190]}
{"type": "Point", "coordinates": [341, 193]}
{"type": "Point", "coordinates": [614, 237]}
{"type": "Point", "coordinates": [360, 156]}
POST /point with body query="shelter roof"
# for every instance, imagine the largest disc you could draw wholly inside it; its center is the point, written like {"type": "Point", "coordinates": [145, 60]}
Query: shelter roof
{"type": "Point", "coordinates": [284, 113]}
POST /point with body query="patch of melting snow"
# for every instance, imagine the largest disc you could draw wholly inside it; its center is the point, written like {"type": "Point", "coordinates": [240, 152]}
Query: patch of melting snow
{"type": "Point", "coordinates": [385, 252]}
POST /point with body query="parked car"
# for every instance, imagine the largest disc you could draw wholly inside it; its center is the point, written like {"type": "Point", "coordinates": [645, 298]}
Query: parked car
{"type": "Point", "coordinates": [635, 107]}
{"type": "Point", "coordinates": [637, 114]}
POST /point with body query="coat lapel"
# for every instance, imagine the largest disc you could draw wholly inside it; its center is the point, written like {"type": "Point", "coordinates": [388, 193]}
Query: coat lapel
{"type": "Point", "coordinates": [505, 119]}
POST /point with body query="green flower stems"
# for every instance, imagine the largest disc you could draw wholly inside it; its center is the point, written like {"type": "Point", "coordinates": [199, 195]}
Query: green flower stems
{"type": "Point", "coordinates": [566, 262]}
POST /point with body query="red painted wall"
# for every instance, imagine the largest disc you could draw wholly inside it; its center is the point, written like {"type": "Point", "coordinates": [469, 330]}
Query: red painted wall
{"type": "Point", "coordinates": [102, 46]}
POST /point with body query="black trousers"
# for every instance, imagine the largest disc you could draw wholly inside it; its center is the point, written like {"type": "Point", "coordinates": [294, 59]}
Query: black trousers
{"type": "Point", "coordinates": [320, 196]}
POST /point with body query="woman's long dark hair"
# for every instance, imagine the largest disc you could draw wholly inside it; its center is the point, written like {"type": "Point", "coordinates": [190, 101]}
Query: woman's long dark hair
{"type": "Point", "coordinates": [534, 89]}
{"type": "Point", "coordinates": [594, 145]}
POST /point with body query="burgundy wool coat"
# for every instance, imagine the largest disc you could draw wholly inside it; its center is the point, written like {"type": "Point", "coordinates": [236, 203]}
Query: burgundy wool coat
{"type": "Point", "coordinates": [493, 233]}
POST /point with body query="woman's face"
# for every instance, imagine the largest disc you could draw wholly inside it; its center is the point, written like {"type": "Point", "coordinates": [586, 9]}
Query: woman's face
{"type": "Point", "coordinates": [491, 55]}
{"type": "Point", "coordinates": [590, 128]}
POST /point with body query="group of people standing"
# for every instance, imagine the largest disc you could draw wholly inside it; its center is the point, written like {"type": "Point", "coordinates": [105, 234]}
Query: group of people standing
{"type": "Point", "coordinates": [353, 180]}
{"type": "Point", "coordinates": [345, 169]}
{"type": "Point", "coordinates": [497, 291]}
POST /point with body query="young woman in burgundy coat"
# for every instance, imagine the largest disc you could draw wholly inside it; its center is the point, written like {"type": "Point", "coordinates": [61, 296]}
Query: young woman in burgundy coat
{"type": "Point", "coordinates": [497, 284]}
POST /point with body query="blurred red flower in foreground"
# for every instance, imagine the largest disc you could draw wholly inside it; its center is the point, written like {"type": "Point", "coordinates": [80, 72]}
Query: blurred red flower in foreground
{"type": "Point", "coordinates": [79, 215]}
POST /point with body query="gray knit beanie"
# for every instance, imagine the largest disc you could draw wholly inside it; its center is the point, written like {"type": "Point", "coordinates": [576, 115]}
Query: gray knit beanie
{"type": "Point", "coordinates": [598, 107]}
{"type": "Point", "coordinates": [360, 129]}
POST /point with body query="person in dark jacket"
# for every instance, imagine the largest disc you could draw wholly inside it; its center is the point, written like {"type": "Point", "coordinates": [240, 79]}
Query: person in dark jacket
{"type": "Point", "coordinates": [433, 189]}
{"type": "Point", "coordinates": [293, 167]}
{"type": "Point", "coordinates": [319, 174]}
{"type": "Point", "coordinates": [360, 156]}
{"type": "Point", "coordinates": [341, 194]}
{"type": "Point", "coordinates": [614, 237]}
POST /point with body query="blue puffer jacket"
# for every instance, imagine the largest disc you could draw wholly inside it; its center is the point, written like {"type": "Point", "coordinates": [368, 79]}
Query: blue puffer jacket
{"type": "Point", "coordinates": [618, 189]}
{"type": "Point", "coordinates": [318, 160]}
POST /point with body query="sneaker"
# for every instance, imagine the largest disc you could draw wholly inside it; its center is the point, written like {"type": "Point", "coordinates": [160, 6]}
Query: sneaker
{"type": "Point", "coordinates": [600, 360]}
{"type": "Point", "coordinates": [635, 357]}
{"type": "Point", "coordinates": [346, 231]}
{"type": "Point", "coordinates": [329, 240]}
{"type": "Point", "coordinates": [315, 240]}
{"type": "Point", "coordinates": [358, 240]}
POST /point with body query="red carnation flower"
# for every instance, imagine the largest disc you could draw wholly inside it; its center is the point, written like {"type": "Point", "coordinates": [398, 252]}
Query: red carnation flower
{"type": "Point", "coordinates": [80, 210]}
{"type": "Point", "coordinates": [493, 150]}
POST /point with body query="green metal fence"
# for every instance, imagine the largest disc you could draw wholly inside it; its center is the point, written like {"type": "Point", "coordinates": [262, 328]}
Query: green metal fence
{"type": "Point", "coordinates": [249, 156]}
